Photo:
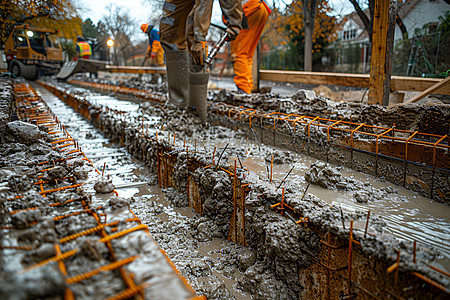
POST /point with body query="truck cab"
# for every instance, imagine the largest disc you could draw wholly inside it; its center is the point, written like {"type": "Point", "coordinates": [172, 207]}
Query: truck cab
{"type": "Point", "coordinates": [29, 50]}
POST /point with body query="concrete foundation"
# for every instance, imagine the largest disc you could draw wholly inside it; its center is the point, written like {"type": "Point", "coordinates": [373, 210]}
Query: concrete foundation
{"type": "Point", "coordinates": [304, 248]}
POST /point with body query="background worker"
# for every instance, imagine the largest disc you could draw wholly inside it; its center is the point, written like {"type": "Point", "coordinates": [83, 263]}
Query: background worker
{"type": "Point", "coordinates": [183, 29]}
{"type": "Point", "coordinates": [83, 48]}
{"type": "Point", "coordinates": [154, 51]}
{"type": "Point", "coordinates": [243, 47]}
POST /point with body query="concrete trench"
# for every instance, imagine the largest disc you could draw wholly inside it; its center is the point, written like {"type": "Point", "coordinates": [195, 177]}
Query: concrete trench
{"type": "Point", "coordinates": [311, 259]}
{"type": "Point", "coordinates": [57, 239]}
{"type": "Point", "coordinates": [425, 169]}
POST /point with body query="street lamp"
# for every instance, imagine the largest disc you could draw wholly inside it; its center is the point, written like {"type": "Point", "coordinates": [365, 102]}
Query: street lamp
{"type": "Point", "coordinates": [110, 43]}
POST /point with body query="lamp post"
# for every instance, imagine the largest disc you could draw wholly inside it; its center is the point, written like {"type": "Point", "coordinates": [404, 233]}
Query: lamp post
{"type": "Point", "coordinates": [110, 43]}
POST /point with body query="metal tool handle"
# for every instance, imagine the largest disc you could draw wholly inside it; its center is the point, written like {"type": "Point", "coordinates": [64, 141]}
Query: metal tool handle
{"type": "Point", "coordinates": [216, 48]}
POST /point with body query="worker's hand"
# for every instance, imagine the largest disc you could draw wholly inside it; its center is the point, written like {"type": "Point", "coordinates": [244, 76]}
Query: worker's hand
{"type": "Point", "coordinates": [147, 55]}
{"type": "Point", "coordinates": [153, 55]}
{"type": "Point", "coordinates": [232, 33]}
{"type": "Point", "coordinates": [198, 53]}
{"type": "Point", "coordinates": [233, 57]}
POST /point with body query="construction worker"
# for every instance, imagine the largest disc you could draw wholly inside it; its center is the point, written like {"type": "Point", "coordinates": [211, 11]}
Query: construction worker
{"type": "Point", "coordinates": [243, 47]}
{"type": "Point", "coordinates": [183, 31]}
{"type": "Point", "coordinates": [154, 51]}
{"type": "Point", "coordinates": [83, 48]}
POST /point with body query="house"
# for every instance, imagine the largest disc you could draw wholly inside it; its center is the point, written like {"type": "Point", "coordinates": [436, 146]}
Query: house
{"type": "Point", "coordinates": [353, 45]}
{"type": "Point", "coordinates": [417, 13]}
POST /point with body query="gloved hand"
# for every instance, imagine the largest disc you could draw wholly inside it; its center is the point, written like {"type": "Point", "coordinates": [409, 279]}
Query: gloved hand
{"type": "Point", "coordinates": [233, 57]}
{"type": "Point", "coordinates": [153, 55]}
{"type": "Point", "coordinates": [198, 53]}
{"type": "Point", "coordinates": [232, 33]}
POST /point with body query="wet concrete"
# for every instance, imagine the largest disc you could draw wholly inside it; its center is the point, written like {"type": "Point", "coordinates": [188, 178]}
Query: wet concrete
{"type": "Point", "coordinates": [200, 257]}
{"type": "Point", "coordinates": [224, 133]}
{"type": "Point", "coordinates": [38, 226]}
{"type": "Point", "coordinates": [416, 217]}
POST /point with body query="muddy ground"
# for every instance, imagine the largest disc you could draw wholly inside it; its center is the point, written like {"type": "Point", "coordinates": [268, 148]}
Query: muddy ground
{"type": "Point", "coordinates": [169, 117]}
{"type": "Point", "coordinates": [431, 115]}
{"type": "Point", "coordinates": [221, 269]}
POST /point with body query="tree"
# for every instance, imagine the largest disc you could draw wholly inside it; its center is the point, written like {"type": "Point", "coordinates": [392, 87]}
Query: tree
{"type": "Point", "coordinates": [120, 26]}
{"type": "Point", "coordinates": [309, 15]}
{"type": "Point", "coordinates": [89, 30]}
{"type": "Point", "coordinates": [323, 34]}
{"type": "Point", "coordinates": [156, 11]}
{"type": "Point", "coordinates": [52, 14]}
{"type": "Point", "coordinates": [367, 17]}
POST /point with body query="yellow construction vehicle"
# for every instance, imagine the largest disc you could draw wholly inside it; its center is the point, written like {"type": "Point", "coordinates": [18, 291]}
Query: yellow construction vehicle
{"type": "Point", "coordinates": [33, 51]}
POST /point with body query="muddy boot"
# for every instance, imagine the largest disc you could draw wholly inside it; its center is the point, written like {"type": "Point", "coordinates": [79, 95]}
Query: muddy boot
{"type": "Point", "coordinates": [198, 85]}
{"type": "Point", "coordinates": [178, 78]}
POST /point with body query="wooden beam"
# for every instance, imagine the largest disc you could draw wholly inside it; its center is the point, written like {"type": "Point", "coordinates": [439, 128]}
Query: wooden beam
{"type": "Point", "coordinates": [417, 84]}
{"type": "Point", "coordinates": [430, 90]}
{"type": "Point", "coordinates": [136, 70]}
{"type": "Point", "coordinates": [398, 83]}
{"type": "Point", "coordinates": [380, 73]}
{"type": "Point", "coordinates": [345, 79]}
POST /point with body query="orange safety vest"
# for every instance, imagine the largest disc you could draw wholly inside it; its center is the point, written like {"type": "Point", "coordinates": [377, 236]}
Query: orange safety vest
{"type": "Point", "coordinates": [85, 49]}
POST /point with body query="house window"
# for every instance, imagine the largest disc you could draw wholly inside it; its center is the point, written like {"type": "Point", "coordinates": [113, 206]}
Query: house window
{"type": "Point", "coordinates": [349, 35]}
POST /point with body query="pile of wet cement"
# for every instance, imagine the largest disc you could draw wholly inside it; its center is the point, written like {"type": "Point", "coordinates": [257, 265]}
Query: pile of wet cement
{"type": "Point", "coordinates": [433, 117]}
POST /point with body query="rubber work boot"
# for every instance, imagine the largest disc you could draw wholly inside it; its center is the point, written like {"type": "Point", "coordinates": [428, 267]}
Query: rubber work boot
{"type": "Point", "coordinates": [178, 78]}
{"type": "Point", "coordinates": [198, 85]}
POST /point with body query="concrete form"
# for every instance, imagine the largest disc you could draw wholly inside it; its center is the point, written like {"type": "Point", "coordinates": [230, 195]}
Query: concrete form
{"type": "Point", "coordinates": [57, 240]}
{"type": "Point", "coordinates": [311, 249]}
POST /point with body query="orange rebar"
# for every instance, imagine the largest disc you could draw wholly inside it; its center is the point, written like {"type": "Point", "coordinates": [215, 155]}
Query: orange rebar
{"type": "Point", "coordinates": [124, 232]}
{"type": "Point", "coordinates": [61, 188]}
{"type": "Point", "coordinates": [110, 267]}
{"type": "Point", "coordinates": [57, 258]}
{"type": "Point", "coordinates": [86, 232]}
{"type": "Point", "coordinates": [431, 282]}
{"type": "Point", "coordinates": [22, 210]}
{"type": "Point", "coordinates": [68, 294]}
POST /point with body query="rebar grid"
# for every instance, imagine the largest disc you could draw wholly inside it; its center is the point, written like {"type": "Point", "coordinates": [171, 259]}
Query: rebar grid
{"type": "Point", "coordinates": [369, 132]}
{"type": "Point", "coordinates": [33, 108]}
{"type": "Point", "coordinates": [165, 169]}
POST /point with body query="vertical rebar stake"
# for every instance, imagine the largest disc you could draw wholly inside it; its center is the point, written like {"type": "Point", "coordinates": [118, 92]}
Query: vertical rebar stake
{"type": "Point", "coordinates": [342, 217]}
{"type": "Point", "coordinates": [234, 201]}
{"type": "Point", "coordinates": [367, 223]}
{"type": "Point", "coordinates": [350, 248]}
{"type": "Point", "coordinates": [271, 168]}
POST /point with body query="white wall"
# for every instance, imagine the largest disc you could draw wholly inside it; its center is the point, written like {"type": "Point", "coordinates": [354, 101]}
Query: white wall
{"type": "Point", "coordinates": [422, 13]}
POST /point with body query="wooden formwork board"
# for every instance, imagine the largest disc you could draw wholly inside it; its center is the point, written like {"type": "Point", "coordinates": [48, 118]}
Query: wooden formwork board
{"type": "Point", "coordinates": [398, 83]}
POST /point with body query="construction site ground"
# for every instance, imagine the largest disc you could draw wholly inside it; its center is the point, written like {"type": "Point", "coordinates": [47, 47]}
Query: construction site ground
{"type": "Point", "coordinates": [342, 233]}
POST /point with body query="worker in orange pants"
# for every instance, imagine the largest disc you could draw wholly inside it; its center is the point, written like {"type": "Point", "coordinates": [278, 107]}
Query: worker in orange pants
{"type": "Point", "coordinates": [243, 47]}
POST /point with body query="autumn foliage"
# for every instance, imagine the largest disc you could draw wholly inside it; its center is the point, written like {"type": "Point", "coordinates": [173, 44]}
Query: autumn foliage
{"type": "Point", "coordinates": [324, 27]}
{"type": "Point", "coordinates": [51, 14]}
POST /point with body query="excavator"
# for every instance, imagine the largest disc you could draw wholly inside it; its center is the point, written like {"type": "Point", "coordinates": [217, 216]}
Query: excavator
{"type": "Point", "coordinates": [31, 52]}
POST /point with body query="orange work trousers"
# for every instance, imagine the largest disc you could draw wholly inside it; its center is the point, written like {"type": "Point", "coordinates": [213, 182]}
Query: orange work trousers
{"type": "Point", "coordinates": [243, 47]}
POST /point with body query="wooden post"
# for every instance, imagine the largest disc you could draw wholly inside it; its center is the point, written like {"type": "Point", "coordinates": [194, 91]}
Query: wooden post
{"type": "Point", "coordinates": [255, 70]}
{"type": "Point", "coordinates": [382, 47]}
